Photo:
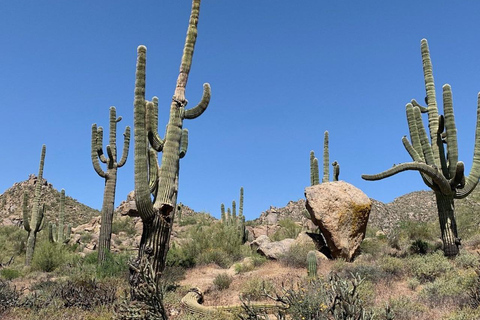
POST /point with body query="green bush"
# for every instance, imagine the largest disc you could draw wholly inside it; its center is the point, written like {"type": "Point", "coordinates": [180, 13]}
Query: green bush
{"type": "Point", "coordinates": [288, 230]}
{"type": "Point", "coordinates": [428, 267]}
{"type": "Point", "coordinates": [10, 274]}
{"type": "Point", "coordinates": [296, 256]}
{"type": "Point", "coordinates": [124, 225]}
{"type": "Point", "coordinates": [450, 288]}
{"type": "Point", "coordinates": [48, 256]}
{"type": "Point", "coordinates": [213, 243]}
{"type": "Point", "coordinates": [467, 260]}
{"type": "Point", "coordinates": [222, 281]}
{"type": "Point", "coordinates": [392, 266]}
{"type": "Point", "coordinates": [254, 289]}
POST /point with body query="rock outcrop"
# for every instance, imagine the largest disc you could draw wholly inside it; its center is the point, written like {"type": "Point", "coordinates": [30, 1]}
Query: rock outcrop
{"type": "Point", "coordinates": [271, 249]}
{"type": "Point", "coordinates": [341, 212]}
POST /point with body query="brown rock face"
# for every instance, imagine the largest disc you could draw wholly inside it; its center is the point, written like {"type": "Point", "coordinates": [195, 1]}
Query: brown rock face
{"type": "Point", "coordinates": [341, 212]}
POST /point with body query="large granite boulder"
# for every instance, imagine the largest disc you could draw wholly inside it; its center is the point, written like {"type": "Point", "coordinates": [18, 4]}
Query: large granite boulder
{"type": "Point", "coordinates": [271, 249]}
{"type": "Point", "coordinates": [341, 212]}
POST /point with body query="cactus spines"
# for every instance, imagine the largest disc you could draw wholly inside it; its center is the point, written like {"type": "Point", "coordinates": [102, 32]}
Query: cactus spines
{"type": "Point", "coordinates": [61, 235]}
{"type": "Point", "coordinates": [110, 175]}
{"type": "Point", "coordinates": [36, 222]}
{"type": "Point", "coordinates": [158, 214]}
{"type": "Point", "coordinates": [441, 171]}
{"type": "Point", "coordinates": [326, 160]}
{"type": "Point", "coordinates": [311, 264]}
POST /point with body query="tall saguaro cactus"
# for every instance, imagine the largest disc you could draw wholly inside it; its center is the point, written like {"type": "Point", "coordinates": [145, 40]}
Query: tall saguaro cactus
{"type": "Point", "coordinates": [162, 180]}
{"type": "Point", "coordinates": [314, 171]}
{"type": "Point", "coordinates": [110, 175]}
{"type": "Point", "coordinates": [59, 234]}
{"type": "Point", "coordinates": [35, 223]}
{"type": "Point", "coordinates": [439, 168]}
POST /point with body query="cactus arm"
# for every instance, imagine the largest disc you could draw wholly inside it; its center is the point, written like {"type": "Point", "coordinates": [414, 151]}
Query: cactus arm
{"type": "Point", "coordinates": [41, 222]}
{"type": "Point", "coordinates": [432, 172]}
{"type": "Point", "coordinates": [142, 190]}
{"type": "Point", "coordinates": [52, 235]}
{"type": "Point", "coordinates": [111, 156]}
{"type": "Point", "coordinates": [431, 97]}
{"type": "Point", "coordinates": [153, 171]}
{"type": "Point", "coordinates": [312, 171]}
{"type": "Point", "coordinates": [26, 223]}
{"type": "Point", "coordinates": [183, 143]}
{"type": "Point", "coordinates": [471, 180]}
{"type": "Point", "coordinates": [416, 104]}
{"type": "Point", "coordinates": [422, 133]}
{"type": "Point", "coordinates": [240, 208]}
{"type": "Point", "coordinates": [113, 135]}
{"type": "Point", "coordinates": [414, 137]}
{"type": "Point", "coordinates": [94, 154]}
{"type": "Point", "coordinates": [326, 160]}
{"type": "Point", "coordinates": [126, 147]}
{"type": "Point", "coordinates": [316, 174]}
{"type": "Point", "coordinates": [99, 146]}
{"type": "Point", "coordinates": [336, 170]}
{"type": "Point", "coordinates": [441, 149]}
{"type": "Point", "coordinates": [416, 157]}
{"type": "Point", "coordinates": [452, 148]}
{"type": "Point", "coordinates": [201, 106]}
{"type": "Point", "coordinates": [152, 125]}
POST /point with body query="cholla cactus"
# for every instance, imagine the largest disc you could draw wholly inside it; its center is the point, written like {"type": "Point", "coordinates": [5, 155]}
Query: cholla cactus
{"type": "Point", "coordinates": [36, 223]}
{"type": "Point", "coordinates": [441, 171]}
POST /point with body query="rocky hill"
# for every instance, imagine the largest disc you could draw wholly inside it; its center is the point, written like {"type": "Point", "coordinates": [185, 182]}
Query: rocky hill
{"type": "Point", "coordinates": [11, 202]}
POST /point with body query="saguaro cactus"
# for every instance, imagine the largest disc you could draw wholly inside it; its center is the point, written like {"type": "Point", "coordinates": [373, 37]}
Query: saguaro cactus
{"type": "Point", "coordinates": [36, 222]}
{"type": "Point", "coordinates": [59, 234]}
{"type": "Point", "coordinates": [441, 171]}
{"type": "Point", "coordinates": [311, 264]}
{"type": "Point", "coordinates": [162, 181]}
{"type": "Point", "coordinates": [110, 175]}
{"type": "Point", "coordinates": [240, 206]}
{"type": "Point", "coordinates": [314, 171]}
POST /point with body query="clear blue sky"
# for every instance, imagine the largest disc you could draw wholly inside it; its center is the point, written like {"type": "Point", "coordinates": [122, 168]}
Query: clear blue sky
{"type": "Point", "coordinates": [282, 72]}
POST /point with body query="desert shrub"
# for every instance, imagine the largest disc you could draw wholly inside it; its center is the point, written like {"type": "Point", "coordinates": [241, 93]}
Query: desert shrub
{"type": "Point", "coordinates": [178, 256]}
{"type": "Point", "coordinates": [450, 288]}
{"type": "Point", "coordinates": [296, 256]}
{"type": "Point", "coordinates": [9, 296]}
{"type": "Point", "coordinates": [48, 256]}
{"type": "Point", "coordinates": [254, 289]}
{"type": "Point", "coordinates": [86, 294]}
{"type": "Point", "coordinates": [467, 260]}
{"type": "Point", "coordinates": [115, 265]}
{"type": "Point", "coordinates": [405, 308]}
{"type": "Point", "coordinates": [86, 237]}
{"type": "Point", "coordinates": [463, 314]}
{"type": "Point", "coordinates": [187, 221]}
{"type": "Point", "coordinates": [392, 266]}
{"type": "Point", "coordinates": [419, 247]}
{"type": "Point", "coordinates": [222, 281]}
{"type": "Point", "coordinates": [124, 225]}
{"type": "Point", "coordinates": [407, 232]}
{"type": "Point", "coordinates": [428, 267]}
{"type": "Point", "coordinates": [9, 273]}
{"type": "Point", "coordinates": [214, 243]}
{"type": "Point", "coordinates": [413, 283]}
{"type": "Point", "coordinates": [333, 298]}
{"type": "Point", "coordinates": [374, 246]}
{"type": "Point", "coordinates": [288, 230]}
{"type": "Point", "coordinates": [12, 242]}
